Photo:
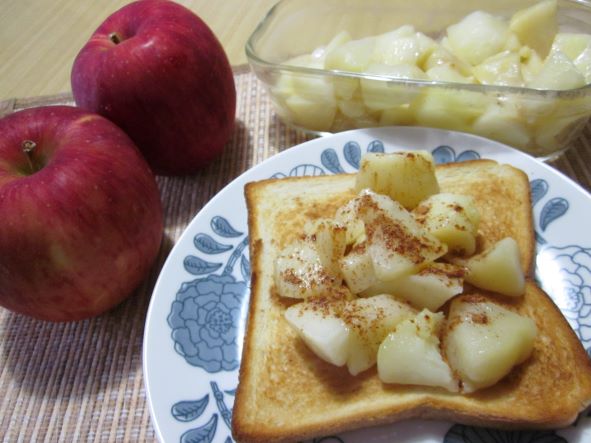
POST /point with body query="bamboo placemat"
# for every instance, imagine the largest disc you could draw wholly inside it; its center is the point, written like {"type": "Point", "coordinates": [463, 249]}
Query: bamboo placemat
{"type": "Point", "coordinates": [82, 381]}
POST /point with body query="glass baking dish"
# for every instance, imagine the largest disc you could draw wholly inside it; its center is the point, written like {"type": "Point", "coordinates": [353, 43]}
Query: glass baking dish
{"type": "Point", "coordinates": [311, 97]}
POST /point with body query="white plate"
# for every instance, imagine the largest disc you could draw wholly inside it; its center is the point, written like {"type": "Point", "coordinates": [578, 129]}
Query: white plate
{"type": "Point", "coordinates": [195, 323]}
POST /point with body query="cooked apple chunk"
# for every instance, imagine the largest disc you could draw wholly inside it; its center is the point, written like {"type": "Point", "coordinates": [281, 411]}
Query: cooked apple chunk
{"type": "Point", "coordinates": [379, 95]}
{"type": "Point", "coordinates": [329, 239]}
{"type": "Point", "coordinates": [350, 56]}
{"type": "Point", "coordinates": [310, 266]}
{"type": "Point", "coordinates": [403, 46]}
{"type": "Point", "coordinates": [299, 272]}
{"type": "Point", "coordinates": [503, 68]}
{"type": "Point", "coordinates": [321, 329]}
{"type": "Point", "coordinates": [411, 355]}
{"type": "Point", "coordinates": [369, 320]}
{"type": "Point", "coordinates": [429, 288]}
{"type": "Point", "coordinates": [478, 36]}
{"type": "Point", "coordinates": [452, 218]}
{"type": "Point", "coordinates": [406, 177]}
{"type": "Point", "coordinates": [571, 44]}
{"type": "Point", "coordinates": [397, 244]}
{"type": "Point", "coordinates": [354, 227]}
{"type": "Point", "coordinates": [484, 340]}
{"type": "Point", "coordinates": [347, 332]}
{"type": "Point", "coordinates": [357, 270]}
{"type": "Point", "coordinates": [558, 72]}
{"type": "Point", "coordinates": [536, 26]}
{"type": "Point", "coordinates": [441, 56]}
{"type": "Point", "coordinates": [497, 269]}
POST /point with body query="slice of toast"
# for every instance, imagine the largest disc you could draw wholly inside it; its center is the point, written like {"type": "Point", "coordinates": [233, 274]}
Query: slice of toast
{"type": "Point", "coordinates": [286, 393]}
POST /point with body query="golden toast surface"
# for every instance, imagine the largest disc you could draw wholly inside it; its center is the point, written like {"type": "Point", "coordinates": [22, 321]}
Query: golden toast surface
{"type": "Point", "coordinates": [286, 393]}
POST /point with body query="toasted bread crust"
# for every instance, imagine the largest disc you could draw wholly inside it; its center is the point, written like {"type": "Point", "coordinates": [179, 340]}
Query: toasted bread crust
{"type": "Point", "coordinates": [286, 393]}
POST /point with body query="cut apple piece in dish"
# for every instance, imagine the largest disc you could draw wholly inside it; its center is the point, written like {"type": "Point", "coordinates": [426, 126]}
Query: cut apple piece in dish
{"type": "Point", "coordinates": [558, 73]}
{"type": "Point", "coordinates": [478, 36]}
{"type": "Point", "coordinates": [381, 94]}
{"type": "Point", "coordinates": [536, 26]}
{"type": "Point", "coordinates": [502, 69]}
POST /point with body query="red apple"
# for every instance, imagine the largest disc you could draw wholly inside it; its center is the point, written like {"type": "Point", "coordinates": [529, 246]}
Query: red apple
{"type": "Point", "coordinates": [80, 214]}
{"type": "Point", "coordinates": [156, 70]}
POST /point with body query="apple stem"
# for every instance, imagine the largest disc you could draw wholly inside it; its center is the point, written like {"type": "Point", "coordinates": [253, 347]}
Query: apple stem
{"type": "Point", "coordinates": [28, 146]}
{"type": "Point", "coordinates": [115, 38]}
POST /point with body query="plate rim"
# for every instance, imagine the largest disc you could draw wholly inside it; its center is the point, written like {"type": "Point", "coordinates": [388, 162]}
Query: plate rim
{"type": "Point", "coordinates": [282, 156]}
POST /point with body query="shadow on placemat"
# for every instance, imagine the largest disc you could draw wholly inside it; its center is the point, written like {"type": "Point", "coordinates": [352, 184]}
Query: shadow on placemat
{"type": "Point", "coordinates": [576, 161]}
{"type": "Point", "coordinates": [182, 197]}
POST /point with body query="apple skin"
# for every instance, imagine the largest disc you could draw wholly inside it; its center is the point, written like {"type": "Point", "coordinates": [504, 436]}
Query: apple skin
{"type": "Point", "coordinates": [81, 233]}
{"type": "Point", "coordinates": [168, 84]}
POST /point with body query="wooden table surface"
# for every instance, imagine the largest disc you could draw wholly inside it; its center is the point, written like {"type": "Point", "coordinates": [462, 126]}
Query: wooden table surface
{"type": "Point", "coordinates": [39, 39]}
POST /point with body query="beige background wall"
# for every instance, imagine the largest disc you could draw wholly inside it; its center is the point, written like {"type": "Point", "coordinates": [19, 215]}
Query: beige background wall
{"type": "Point", "coordinates": [39, 39]}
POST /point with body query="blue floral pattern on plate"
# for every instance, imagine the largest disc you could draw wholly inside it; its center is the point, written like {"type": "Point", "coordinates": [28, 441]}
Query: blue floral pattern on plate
{"type": "Point", "coordinates": [446, 154]}
{"type": "Point", "coordinates": [203, 318]}
{"type": "Point", "coordinates": [193, 409]}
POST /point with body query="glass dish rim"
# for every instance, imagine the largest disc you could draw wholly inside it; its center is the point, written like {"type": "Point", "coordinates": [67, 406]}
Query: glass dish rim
{"type": "Point", "coordinates": [257, 62]}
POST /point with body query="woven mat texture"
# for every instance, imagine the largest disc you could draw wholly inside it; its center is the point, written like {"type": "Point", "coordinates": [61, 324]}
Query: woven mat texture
{"type": "Point", "coordinates": [82, 381]}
